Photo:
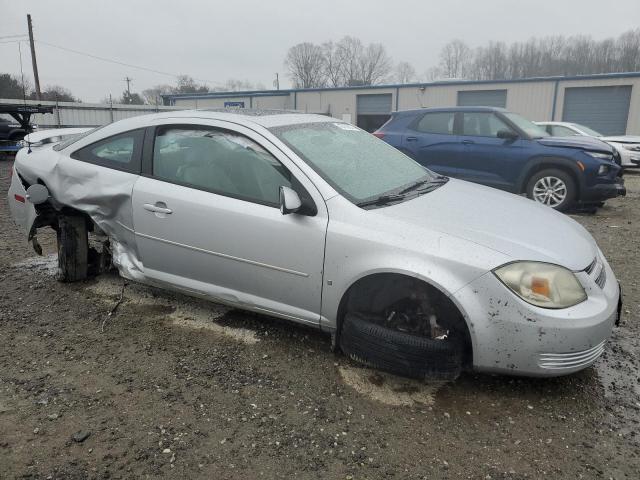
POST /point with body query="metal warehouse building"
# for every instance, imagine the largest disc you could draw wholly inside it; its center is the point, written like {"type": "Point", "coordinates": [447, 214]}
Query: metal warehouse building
{"type": "Point", "coordinates": [608, 103]}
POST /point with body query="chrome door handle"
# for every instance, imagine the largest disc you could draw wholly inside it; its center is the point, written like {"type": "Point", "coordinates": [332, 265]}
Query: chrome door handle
{"type": "Point", "coordinates": [157, 208]}
{"type": "Point", "coordinates": [468, 142]}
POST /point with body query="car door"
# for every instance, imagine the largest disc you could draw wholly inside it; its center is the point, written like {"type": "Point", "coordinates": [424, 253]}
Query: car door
{"type": "Point", "coordinates": [490, 159]}
{"type": "Point", "coordinates": [207, 220]}
{"type": "Point", "coordinates": [432, 142]}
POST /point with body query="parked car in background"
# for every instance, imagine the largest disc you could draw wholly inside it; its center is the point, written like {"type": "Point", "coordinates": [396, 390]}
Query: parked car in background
{"type": "Point", "coordinates": [311, 219]}
{"type": "Point", "coordinates": [501, 149]}
{"type": "Point", "coordinates": [10, 130]}
{"type": "Point", "coordinates": [627, 146]}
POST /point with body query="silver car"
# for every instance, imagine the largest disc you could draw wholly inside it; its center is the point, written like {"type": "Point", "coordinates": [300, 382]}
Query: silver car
{"type": "Point", "coordinates": [313, 220]}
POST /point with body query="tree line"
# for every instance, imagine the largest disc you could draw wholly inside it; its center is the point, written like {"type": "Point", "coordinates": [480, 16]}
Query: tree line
{"type": "Point", "coordinates": [349, 62]}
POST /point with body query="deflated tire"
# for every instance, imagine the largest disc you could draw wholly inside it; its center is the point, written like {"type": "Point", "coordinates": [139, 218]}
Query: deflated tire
{"type": "Point", "coordinates": [398, 352]}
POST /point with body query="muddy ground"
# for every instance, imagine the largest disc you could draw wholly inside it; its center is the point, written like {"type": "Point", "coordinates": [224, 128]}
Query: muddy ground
{"type": "Point", "coordinates": [177, 388]}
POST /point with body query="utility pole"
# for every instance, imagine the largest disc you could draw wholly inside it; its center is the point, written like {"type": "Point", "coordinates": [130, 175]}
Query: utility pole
{"type": "Point", "coordinates": [128, 80]}
{"type": "Point", "coordinates": [277, 82]}
{"type": "Point", "coordinates": [36, 77]}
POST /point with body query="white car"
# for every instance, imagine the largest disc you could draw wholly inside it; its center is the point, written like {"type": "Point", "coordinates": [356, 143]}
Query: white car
{"type": "Point", "coordinates": [313, 220]}
{"type": "Point", "coordinates": [51, 135]}
{"type": "Point", "coordinates": [628, 146]}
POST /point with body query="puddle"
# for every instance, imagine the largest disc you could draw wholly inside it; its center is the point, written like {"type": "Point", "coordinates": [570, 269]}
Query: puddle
{"type": "Point", "coordinates": [389, 389]}
{"type": "Point", "coordinates": [179, 312]}
{"type": "Point", "coordinates": [47, 264]}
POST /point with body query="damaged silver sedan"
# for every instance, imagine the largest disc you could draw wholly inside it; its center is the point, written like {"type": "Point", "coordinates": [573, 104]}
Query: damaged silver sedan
{"type": "Point", "coordinates": [310, 219]}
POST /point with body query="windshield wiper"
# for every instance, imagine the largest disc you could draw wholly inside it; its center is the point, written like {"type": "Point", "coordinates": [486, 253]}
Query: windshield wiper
{"type": "Point", "coordinates": [381, 200]}
{"type": "Point", "coordinates": [430, 182]}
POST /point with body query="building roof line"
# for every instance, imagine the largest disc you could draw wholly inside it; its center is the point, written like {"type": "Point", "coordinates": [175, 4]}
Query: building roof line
{"type": "Point", "coordinates": [256, 93]}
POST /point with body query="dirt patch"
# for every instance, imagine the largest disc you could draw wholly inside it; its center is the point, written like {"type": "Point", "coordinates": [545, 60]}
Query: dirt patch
{"type": "Point", "coordinates": [389, 389]}
{"type": "Point", "coordinates": [284, 407]}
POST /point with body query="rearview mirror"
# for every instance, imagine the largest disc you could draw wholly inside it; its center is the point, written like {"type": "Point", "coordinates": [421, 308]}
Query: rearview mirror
{"type": "Point", "coordinates": [37, 194]}
{"type": "Point", "coordinates": [507, 134]}
{"type": "Point", "coordinates": [289, 200]}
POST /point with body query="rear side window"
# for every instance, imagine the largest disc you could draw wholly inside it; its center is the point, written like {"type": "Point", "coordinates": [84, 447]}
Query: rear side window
{"type": "Point", "coordinates": [437, 122]}
{"type": "Point", "coordinates": [218, 161]}
{"type": "Point", "coordinates": [561, 131]}
{"type": "Point", "coordinates": [482, 124]}
{"type": "Point", "coordinates": [121, 152]}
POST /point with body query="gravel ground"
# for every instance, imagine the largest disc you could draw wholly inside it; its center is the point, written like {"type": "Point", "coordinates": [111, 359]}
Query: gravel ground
{"type": "Point", "coordinates": [172, 387]}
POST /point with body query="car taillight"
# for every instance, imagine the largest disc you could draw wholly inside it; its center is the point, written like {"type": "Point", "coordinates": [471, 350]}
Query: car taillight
{"type": "Point", "coordinates": [378, 134]}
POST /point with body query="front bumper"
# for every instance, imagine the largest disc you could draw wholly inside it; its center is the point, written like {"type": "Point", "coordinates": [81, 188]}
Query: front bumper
{"type": "Point", "coordinates": [510, 336]}
{"type": "Point", "coordinates": [604, 191]}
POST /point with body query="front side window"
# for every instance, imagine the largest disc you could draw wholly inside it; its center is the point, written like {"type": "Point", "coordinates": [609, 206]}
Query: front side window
{"type": "Point", "coordinates": [527, 126]}
{"type": "Point", "coordinates": [218, 161]}
{"type": "Point", "coordinates": [482, 124]}
{"type": "Point", "coordinates": [355, 163]}
{"type": "Point", "coordinates": [437, 123]}
{"type": "Point", "coordinates": [560, 131]}
{"type": "Point", "coordinates": [588, 131]}
{"type": "Point", "coordinates": [121, 152]}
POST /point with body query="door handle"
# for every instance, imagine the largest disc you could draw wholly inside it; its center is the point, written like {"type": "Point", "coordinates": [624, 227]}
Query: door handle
{"type": "Point", "coordinates": [468, 142]}
{"type": "Point", "coordinates": [159, 207]}
{"type": "Point", "coordinates": [412, 139]}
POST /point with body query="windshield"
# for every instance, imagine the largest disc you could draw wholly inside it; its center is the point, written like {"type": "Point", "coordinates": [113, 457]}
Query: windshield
{"type": "Point", "coordinates": [587, 130]}
{"type": "Point", "coordinates": [530, 128]}
{"type": "Point", "coordinates": [355, 163]}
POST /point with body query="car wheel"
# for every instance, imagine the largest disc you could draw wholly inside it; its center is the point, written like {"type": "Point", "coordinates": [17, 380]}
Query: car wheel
{"type": "Point", "coordinates": [73, 249]}
{"type": "Point", "coordinates": [553, 188]}
{"type": "Point", "coordinates": [398, 352]}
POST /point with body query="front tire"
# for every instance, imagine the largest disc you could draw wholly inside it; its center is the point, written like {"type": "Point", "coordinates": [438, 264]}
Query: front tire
{"type": "Point", "coordinates": [398, 352]}
{"type": "Point", "coordinates": [554, 188]}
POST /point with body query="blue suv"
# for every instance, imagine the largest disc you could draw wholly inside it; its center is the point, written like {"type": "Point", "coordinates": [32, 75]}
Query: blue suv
{"type": "Point", "coordinates": [501, 149]}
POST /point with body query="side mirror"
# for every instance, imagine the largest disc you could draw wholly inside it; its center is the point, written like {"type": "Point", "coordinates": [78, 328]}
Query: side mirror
{"type": "Point", "coordinates": [289, 200]}
{"type": "Point", "coordinates": [37, 194]}
{"type": "Point", "coordinates": [507, 134]}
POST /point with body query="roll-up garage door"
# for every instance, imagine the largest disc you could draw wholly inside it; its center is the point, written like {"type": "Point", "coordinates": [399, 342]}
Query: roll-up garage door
{"type": "Point", "coordinates": [373, 110]}
{"type": "Point", "coordinates": [605, 109]}
{"type": "Point", "coordinates": [482, 98]}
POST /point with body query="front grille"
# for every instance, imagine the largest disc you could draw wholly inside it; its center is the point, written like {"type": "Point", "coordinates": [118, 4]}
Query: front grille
{"type": "Point", "coordinates": [590, 268]}
{"type": "Point", "coordinates": [570, 360]}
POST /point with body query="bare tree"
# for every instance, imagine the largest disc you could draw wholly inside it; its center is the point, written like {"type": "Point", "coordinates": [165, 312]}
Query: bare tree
{"type": "Point", "coordinates": [405, 73]}
{"type": "Point", "coordinates": [628, 46]}
{"type": "Point", "coordinates": [306, 65]}
{"type": "Point", "coordinates": [350, 50]}
{"type": "Point", "coordinates": [455, 58]}
{"type": "Point", "coordinates": [374, 64]}
{"type": "Point", "coordinates": [334, 64]}
{"type": "Point", "coordinates": [153, 95]}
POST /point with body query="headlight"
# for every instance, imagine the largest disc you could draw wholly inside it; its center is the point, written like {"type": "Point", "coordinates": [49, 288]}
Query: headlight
{"type": "Point", "coordinates": [634, 147]}
{"type": "Point", "coordinates": [601, 156]}
{"type": "Point", "coordinates": [603, 169]}
{"type": "Point", "coordinates": [542, 284]}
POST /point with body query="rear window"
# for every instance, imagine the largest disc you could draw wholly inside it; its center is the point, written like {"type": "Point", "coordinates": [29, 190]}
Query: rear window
{"type": "Point", "coordinates": [74, 138]}
{"type": "Point", "coordinates": [437, 123]}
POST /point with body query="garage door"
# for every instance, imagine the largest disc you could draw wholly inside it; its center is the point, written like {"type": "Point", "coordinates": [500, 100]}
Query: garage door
{"type": "Point", "coordinates": [605, 109]}
{"type": "Point", "coordinates": [373, 110]}
{"type": "Point", "coordinates": [482, 98]}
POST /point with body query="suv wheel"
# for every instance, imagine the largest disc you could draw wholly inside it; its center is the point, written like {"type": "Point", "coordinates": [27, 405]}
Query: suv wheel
{"type": "Point", "coordinates": [553, 188]}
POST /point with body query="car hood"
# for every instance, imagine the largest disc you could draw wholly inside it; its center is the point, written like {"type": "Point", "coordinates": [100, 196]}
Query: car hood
{"type": "Point", "coordinates": [576, 142]}
{"type": "Point", "coordinates": [510, 224]}
{"type": "Point", "coordinates": [622, 139]}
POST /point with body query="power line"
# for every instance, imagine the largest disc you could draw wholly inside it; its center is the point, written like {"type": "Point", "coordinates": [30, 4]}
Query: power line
{"type": "Point", "coordinates": [117, 62]}
{"type": "Point", "coordinates": [12, 36]}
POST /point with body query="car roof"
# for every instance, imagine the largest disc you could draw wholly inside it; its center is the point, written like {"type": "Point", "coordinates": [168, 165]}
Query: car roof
{"type": "Point", "coordinates": [450, 109]}
{"type": "Point", "coordinates": [248, 117]}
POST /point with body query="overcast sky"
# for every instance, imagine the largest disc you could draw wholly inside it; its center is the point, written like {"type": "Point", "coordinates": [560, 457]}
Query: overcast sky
{"type": "Point", "coordinates": [248, 39]}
